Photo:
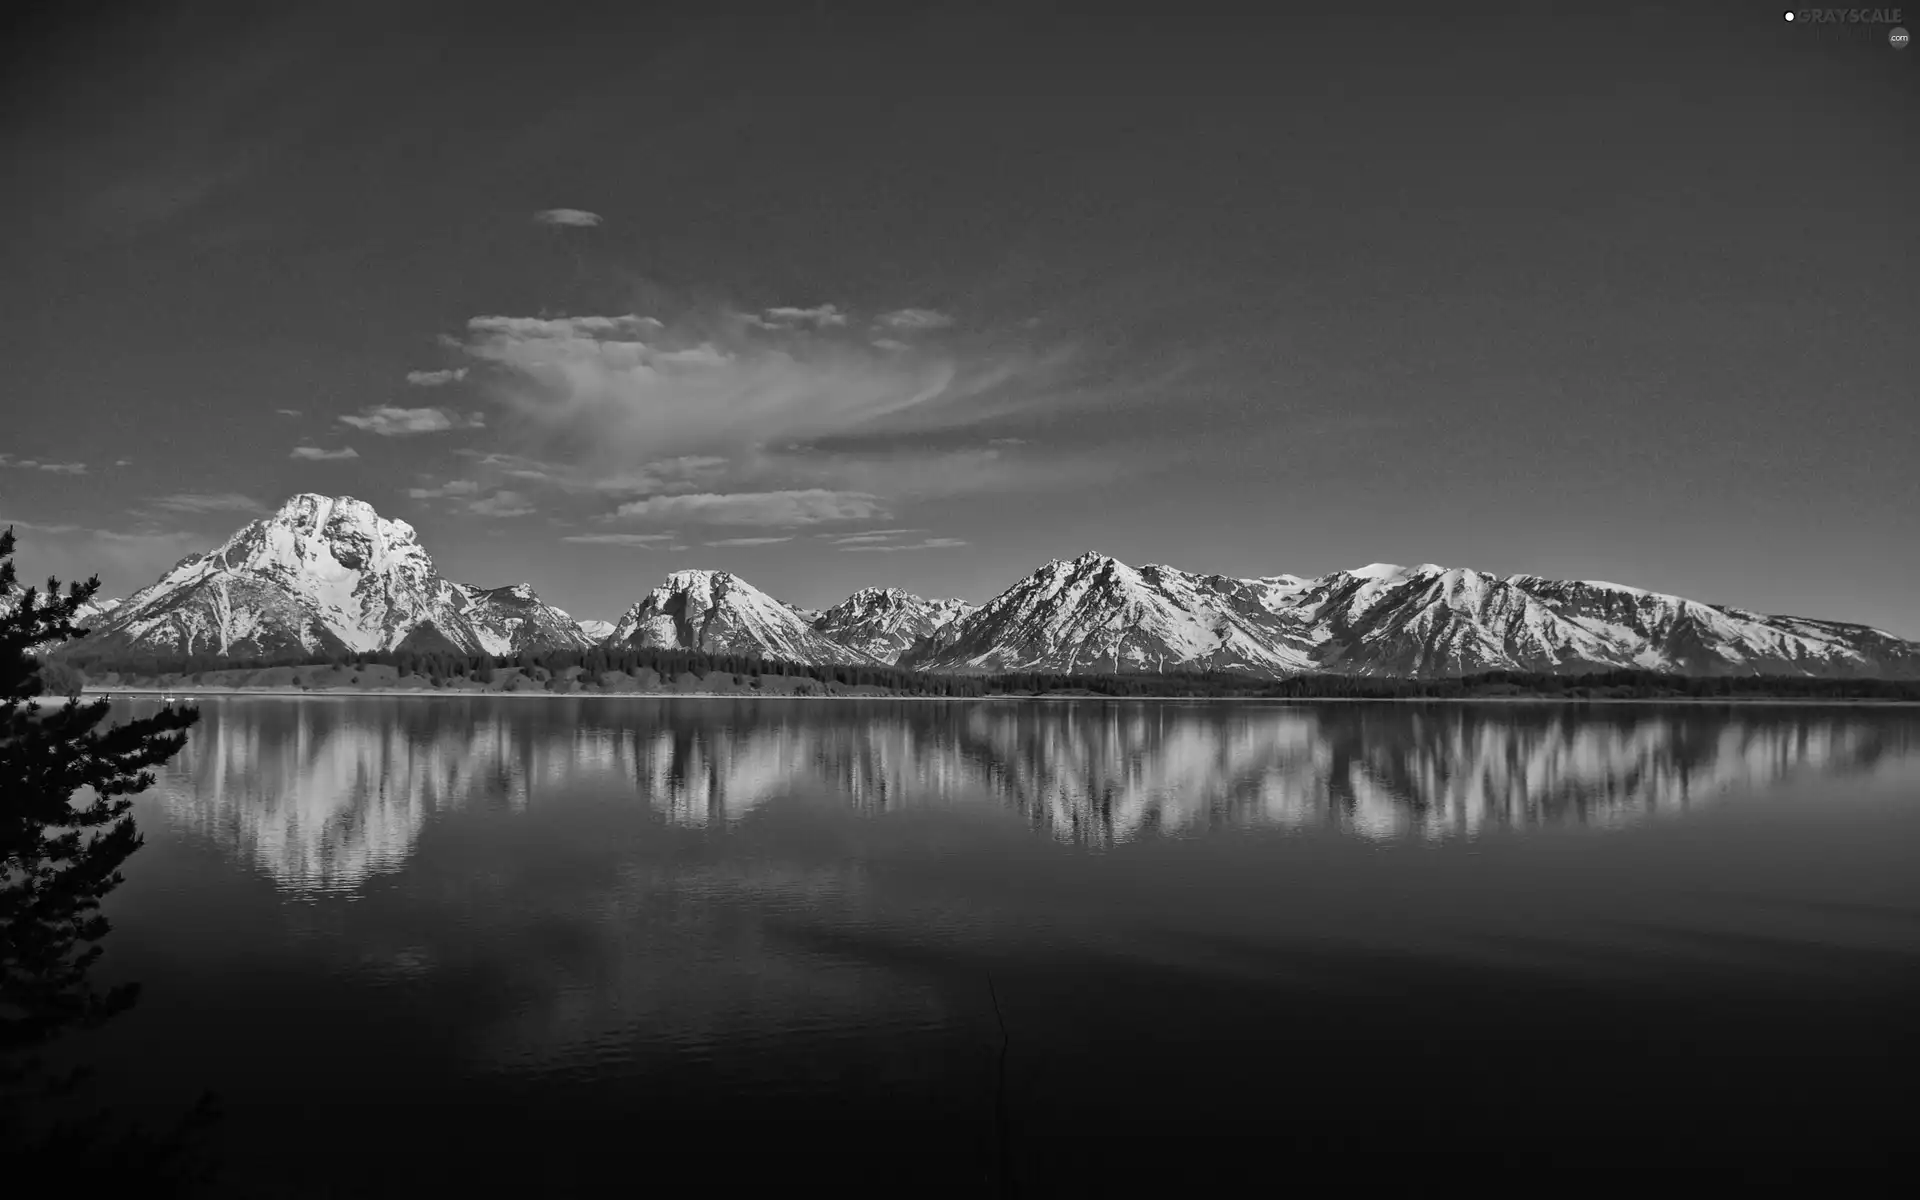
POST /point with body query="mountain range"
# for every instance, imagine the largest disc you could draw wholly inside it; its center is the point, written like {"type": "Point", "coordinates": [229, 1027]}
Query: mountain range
{"type": "Point", "coordinates": [325, 574]}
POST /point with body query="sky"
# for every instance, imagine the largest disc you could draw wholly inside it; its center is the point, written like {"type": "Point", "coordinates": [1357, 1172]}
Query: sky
{"type": "Point", "coordinates": [831, 296]}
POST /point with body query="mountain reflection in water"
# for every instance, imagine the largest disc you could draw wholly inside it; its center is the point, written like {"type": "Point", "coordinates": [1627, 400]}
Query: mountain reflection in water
{"type": "Point", "coordinates": [322, 794]}
{"type": "Point", "coordinates": [486, 942]}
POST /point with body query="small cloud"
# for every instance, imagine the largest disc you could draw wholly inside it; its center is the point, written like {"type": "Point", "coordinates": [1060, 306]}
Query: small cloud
{"type": "Point", "coordinates": [34, 464]}
{"type": "Point", "coordinates": [501, 504]}
{"type": "Point", "coordinates": [868, 533]}
{"type": "Point", "coordinates": [914, 320]}
{"type": "Point", "coordinates": [579, 217]}
{"type": "Point", "coordinates": [638, 541]}
{"type": "Point", "coordinates": [809, 506]}
{"type": "Point", "coordinates": [1006, 441]}
{"type": "Point", "coordinates": [820, 316]}
{"type": "Point", "coordinates": [389, 421]}
{"type": "Point", "coordinates": [452, 487]}
{"type": "Point", "coordinates": [681, 474]}
{"type": "Point", "coordinates": [316, 454]}
{"type": "Point", "coordinates": [748, 541]}
{"type": "Point", "coordinates": [516, 466]}
{"type": "Point", "coordinates": [436, 378]}
{"type": "Point", "coordinates": [209, 502]}
{"type": "Point", "coordinates": [288, 412]}
{"type": "Point", "coordinates": [942, 543]}
{"type": "Point", "coordinates": [628, 325]}
{"type": "Point", "coordinates": [122, 462]}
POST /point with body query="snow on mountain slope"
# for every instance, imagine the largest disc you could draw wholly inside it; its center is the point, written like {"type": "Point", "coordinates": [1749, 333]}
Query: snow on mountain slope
{"type": "Point", "coordinates": [1675, 634]}
{"type": "Point", "coordinates": [720, 613]}
{"type": "Point", "coordinates": [884, 623]}
{"type": "Point", "coordinates": [330, 575]}
{"type": "Point", "coordinates": [510, 619]}
{"type": "Point", "coordinates": [323, 574]}
{"type": "Point", "coordinates": [595, 631]}
{"type": "Point", "coordinates": [1095, 613]}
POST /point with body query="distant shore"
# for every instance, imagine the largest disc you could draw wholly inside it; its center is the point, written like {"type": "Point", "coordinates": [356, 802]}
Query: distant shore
{"type": "Point", "coordinates": [205, 693]}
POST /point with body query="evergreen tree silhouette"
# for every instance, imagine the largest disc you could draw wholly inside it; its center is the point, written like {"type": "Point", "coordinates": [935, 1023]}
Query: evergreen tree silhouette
{"type": "Point", "coordinates": [58, 859]}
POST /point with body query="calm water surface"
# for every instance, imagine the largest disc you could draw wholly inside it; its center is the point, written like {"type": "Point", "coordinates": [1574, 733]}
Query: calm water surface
{"type": "Point", "coordinates": [459, 942]}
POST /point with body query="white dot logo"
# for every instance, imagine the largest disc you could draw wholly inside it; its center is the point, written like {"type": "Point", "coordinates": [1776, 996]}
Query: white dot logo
{"type": "Point", "coordinates": [1789, 17]}
{"type": "Point", "coordinates": [1898, 38]}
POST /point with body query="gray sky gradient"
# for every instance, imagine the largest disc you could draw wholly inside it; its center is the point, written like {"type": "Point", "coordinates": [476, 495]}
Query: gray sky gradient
{"type": "Point", "coordinates": [836, 299]}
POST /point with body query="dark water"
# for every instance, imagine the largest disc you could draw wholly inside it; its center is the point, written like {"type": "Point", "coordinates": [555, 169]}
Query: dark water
{"type": "Point", "coordinates": [521, 944]}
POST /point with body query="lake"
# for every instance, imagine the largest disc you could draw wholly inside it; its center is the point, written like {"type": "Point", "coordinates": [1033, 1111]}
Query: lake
{"type": "Point", "coordinates": [522, 943]}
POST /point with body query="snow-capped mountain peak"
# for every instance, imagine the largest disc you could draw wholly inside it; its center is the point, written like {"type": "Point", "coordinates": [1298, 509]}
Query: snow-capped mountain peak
{"type": "Point", "coordinates": [1096, 613]}
{"type": "Point", "coordinates": [326, 574]}
{"type": "Point", "coordinates": [885, 623]}
{"type": "Point", "coordinates": [720, 613]}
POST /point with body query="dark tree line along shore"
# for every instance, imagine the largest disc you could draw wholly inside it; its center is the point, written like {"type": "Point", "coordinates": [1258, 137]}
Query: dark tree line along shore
{"type": "Point", "coordinates": [591, 665]}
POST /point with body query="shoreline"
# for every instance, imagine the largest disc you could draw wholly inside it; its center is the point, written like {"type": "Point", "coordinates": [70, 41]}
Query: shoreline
{"type": "Point", "coordinates": [205, 693]}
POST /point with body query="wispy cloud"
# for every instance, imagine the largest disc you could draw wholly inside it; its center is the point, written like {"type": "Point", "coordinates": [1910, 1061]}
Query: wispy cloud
{"type": "Point", "coordinates": [866, 535]}
{"type": "Point", "coordinates": [811, 506]}
{"type": "Point", "coordinates": [288, 412]}
{"type": "Point", "coordinates": [436, 378]}
{"type": "Point", "coordinates": [209, 502]}
{"type": "Point", "coordinates": [501, 504]}
{"type": "Point", "coordinates": [389, 421]}
{"type": "Point", "coordinates": [637, 541]}
{"type": "Point", "coordinates": [617, 389]}
{"type": "Point", "coordinates": [316, 454]}
{"type": "Point", "coordinates": [35, 464]}
{"type": "Point", "coordinates": [819, 316]}
{"type": "Point", "coordinates": [452, 487]}
{"type": "Point", "coordinates": [890, 539]}
{"type": "Point", "coordinates": [939, 543]}
{"type": "Point", "coordinates": [904, 473]}
{"type": "Point", "coordinates": [567, 216]}
{"type": "Point", "coordinates": [914, 320]}
{"type": "Point", "coordinates": [749, 541]}
{"type": "Point", "coordinates": [122, 462]}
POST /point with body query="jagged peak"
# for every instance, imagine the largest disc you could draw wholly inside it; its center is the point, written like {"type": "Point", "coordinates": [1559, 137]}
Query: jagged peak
{"type": "Point", "coordinates": [689, 577]}
{"type": "Point", "coordinates": [1092, 560]}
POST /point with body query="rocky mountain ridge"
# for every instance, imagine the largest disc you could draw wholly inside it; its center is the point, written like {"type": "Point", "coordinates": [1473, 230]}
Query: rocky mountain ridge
{"type": "Point", "coordinates": [324, 575]}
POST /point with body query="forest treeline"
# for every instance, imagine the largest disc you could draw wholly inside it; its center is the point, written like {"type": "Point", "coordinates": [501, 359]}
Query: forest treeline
{"type": "Point", "coordinates": [591, 664]}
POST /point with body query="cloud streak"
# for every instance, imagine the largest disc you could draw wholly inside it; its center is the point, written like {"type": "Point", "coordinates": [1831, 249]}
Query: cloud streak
{"type": "Point", "coordinates": [452, 487]}
{"type": "Point", "coordinates": [316, 454]}
{"type": "Point", "coordinates": [635, 541]}
{"type": "Point", "coordinates": [436, 378]}
{"type": "Point", "coordinates": [578, 217]}
{"type": "Point", "coordinates": [34, 464]}
{"type": "Point", "coordinates": [501, 504]}
{"type": "Point", "coordinates": [209, 502]}
{"type": "Point", "coordinates": [914, 320]}
{"type": "Point", "coordinates": [386, 420]}
{"type": "Point", "coordinates": [749, 541]}
{"type": "Point", "coordinates": [809, 506]}
{"type": "Point", "coordinates": [940, 543]}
